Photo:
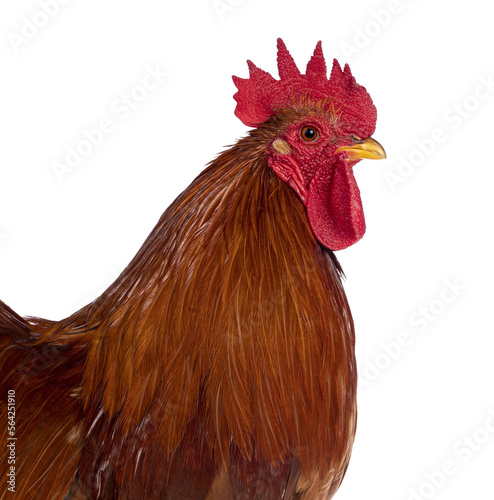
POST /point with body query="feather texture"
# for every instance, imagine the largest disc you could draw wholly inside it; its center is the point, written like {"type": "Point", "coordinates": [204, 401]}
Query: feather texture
{"type": "Point", "coordinates": [220, 364]}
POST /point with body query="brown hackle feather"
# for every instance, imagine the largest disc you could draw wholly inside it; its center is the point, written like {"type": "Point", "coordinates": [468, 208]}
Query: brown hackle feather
{"type": "Point", "coordinates": [221, 360]}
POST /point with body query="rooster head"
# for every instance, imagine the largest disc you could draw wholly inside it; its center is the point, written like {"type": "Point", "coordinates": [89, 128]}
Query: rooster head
{"type": "Point", "coordinates": [316, 129]}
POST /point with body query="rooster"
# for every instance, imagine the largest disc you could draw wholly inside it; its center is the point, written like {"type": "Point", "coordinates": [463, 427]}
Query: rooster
{"type": "Point", "coordinates": [220, 364]}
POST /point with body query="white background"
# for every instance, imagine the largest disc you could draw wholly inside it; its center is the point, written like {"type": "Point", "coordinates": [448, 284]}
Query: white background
{"type": "Point", "coordinates": [419, 283]}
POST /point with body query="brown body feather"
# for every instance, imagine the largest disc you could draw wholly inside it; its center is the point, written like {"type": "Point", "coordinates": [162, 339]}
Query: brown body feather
{"type": "Point", "coordinates": [220, 364]}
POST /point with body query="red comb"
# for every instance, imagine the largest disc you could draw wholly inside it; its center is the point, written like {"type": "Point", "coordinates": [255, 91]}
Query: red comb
{"type": "Point", "coordinates": [260, 95]}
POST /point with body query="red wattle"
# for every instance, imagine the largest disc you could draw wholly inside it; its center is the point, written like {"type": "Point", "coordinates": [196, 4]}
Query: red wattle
{"type": "Point", "coordinates": [334, 207]}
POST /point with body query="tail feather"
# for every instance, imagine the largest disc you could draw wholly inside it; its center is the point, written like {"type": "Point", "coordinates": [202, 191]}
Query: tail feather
{"type": "Point", "coordinates": [12, 326]}
{"type": "Point", "coordinates": [43, 377]}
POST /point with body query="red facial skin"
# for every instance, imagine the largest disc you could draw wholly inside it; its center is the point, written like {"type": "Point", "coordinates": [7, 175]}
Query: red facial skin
{"type": "Point", "coordinates": [322, 177]}
{"type": "Point", "coordinates": [340, 110]}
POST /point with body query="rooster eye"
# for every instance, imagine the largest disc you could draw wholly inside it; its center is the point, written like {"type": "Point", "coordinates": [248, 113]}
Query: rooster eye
{"type": "Point", "coordinates": [309, 134]}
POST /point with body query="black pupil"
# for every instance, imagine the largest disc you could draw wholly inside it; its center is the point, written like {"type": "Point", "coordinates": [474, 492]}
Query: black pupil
{"type": "Point", "coordinates": [309, 133]}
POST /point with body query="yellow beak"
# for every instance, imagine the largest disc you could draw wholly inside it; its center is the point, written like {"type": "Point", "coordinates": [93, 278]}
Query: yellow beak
{"type": "Point", "coordinates": [368, 148]}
